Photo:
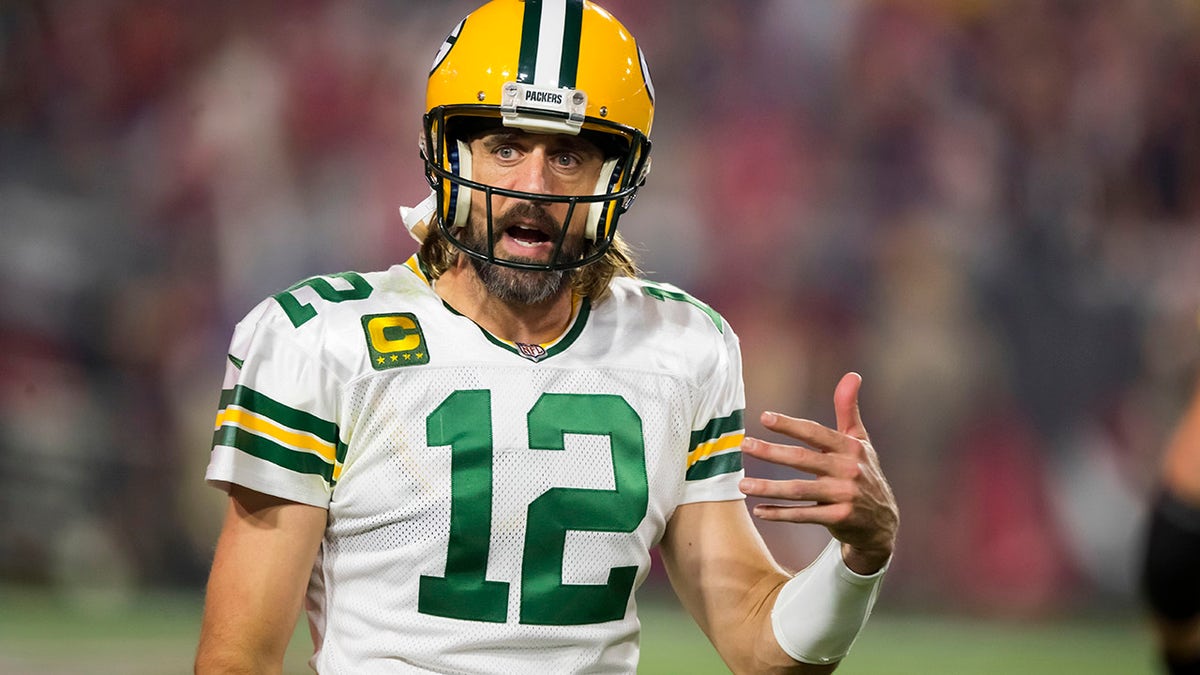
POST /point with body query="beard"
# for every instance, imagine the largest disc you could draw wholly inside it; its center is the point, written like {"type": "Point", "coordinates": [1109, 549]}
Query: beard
{"type": "Point", "coordinates": [518, 286]}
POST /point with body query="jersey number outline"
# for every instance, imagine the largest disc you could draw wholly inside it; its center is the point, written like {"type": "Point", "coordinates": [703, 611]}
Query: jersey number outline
{"type": "Point", "coordinates": [659, 292]}
{"type": "Point", "coordinates": [299, 313]}
{"type": "Point", "coordinates": [463, 421]}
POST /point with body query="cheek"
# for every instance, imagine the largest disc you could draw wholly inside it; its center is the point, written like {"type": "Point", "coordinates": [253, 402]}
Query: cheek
{"type": "Point", "coordinates": [578, 217]}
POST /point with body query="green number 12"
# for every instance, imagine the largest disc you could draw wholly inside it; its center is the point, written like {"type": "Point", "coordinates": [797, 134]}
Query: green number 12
{"type": "Point", "coordinates": [463, 422]}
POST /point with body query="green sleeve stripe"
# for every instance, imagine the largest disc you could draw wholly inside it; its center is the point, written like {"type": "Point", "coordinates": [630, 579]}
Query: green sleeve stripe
{"type": "Point", "coordinates": [715, 465]}
{"type": "Point", "coordinates": [717, 428]}
{"type": "Point", "coordinates": [262, 448]}
{"type": "Point", "coordinates": [245, 397]}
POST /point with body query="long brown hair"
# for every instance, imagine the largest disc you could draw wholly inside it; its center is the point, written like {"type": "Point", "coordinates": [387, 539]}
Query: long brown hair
{"type": "Point", "coordinates": [437, 255]}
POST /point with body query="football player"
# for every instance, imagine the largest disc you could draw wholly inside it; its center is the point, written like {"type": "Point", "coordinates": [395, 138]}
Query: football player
{"type": "Point", "coordinates": [1171, 557]}
{"type": "Point", "coordinates": [462, 463]}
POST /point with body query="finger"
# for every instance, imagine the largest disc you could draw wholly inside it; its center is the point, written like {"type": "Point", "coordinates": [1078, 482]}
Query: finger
{"type": "Point", "coordinates": [801, 459]}
{"type": "Point", "coordinates": [818, 491]}
{"type": "Point", "coordinates": [809, 432]}
{"type": "Point", "coordinates": [818, 514]}
{"type": "Point", "coordinates": [845, 406]}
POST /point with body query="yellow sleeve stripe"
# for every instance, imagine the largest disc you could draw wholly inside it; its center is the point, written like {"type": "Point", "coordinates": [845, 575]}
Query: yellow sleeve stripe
{"type": "Point", "coordinates": [268, 429]}
{"type": "Point", "coordinates": [714, 447]}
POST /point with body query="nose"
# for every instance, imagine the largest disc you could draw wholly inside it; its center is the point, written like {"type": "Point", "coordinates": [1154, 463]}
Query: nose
{"type": "Point", "coordinates": [533, 174]}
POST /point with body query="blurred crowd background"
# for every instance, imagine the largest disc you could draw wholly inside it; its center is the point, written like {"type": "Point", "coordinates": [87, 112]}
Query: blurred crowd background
{"type": "Point", "coordinates": [989, 209]}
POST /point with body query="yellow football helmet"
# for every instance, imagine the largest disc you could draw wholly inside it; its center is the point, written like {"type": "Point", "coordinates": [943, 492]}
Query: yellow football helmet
{"type": "Point", "coordinates": [545, 66]}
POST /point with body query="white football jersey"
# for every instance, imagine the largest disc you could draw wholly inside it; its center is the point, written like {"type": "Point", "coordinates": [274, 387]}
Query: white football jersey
{"type": "Point", "coordinates": [492, 506]}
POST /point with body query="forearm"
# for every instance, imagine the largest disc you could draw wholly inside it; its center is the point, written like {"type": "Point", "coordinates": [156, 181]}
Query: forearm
{"type": "Point", "coordinates": [808, 622]}
{"type": "Point", "coordinates": [768, 655]}
{"type": "Point", "coordinates": [261, 567]}
{"type": "Point", "coordinates": [238, 637]}
{"type": "Point", "coordinates": [730, 588]}
{"type": "Point", "coordinates": [819, 612]}
{"type": "Point", "coordinates": [233, 659]}
{"type": "Point", "coordinates": [737, 620]}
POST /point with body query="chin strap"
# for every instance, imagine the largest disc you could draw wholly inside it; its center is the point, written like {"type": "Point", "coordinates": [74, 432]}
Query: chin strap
{"type": "Point", "coordinates": [418, 219]}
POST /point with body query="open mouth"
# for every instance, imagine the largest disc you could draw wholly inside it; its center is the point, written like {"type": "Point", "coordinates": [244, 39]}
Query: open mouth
{"type": "Point", "coordinates": [527, 237]}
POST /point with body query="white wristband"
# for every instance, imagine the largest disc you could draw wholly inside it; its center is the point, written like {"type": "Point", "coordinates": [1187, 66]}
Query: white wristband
{"type": "Point", "coordinates": [820, 611]}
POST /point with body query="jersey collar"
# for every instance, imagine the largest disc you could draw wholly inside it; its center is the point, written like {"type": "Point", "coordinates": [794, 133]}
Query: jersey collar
{"type": "Point", "coordinates": [581, 309]}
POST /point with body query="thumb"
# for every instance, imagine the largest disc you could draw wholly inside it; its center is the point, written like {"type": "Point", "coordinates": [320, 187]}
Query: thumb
{"type": "Point", "coordinates": [845, 406]}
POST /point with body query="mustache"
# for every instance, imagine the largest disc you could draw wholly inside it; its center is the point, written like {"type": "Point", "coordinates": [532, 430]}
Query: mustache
{"type": "Point", "coordinates": [526, 214]}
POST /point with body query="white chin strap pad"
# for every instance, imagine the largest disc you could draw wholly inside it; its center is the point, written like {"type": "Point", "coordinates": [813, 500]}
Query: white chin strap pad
{"type": "Point", "coordinates": [595, 209]}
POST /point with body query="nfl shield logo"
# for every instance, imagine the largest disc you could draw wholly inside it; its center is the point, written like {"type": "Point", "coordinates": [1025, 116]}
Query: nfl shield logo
{"type": "Point", "coordinates": [531, 352]}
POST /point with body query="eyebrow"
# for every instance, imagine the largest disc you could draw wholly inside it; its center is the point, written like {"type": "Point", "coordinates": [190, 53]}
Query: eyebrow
{"type": "Point", "coordinates": [498, 137]}
{"type": "Point", "coordinates": [494, 138]}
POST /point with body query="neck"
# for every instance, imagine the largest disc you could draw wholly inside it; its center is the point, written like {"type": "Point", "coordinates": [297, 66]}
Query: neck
{"type": "Point", "coordinates": [536, 323]}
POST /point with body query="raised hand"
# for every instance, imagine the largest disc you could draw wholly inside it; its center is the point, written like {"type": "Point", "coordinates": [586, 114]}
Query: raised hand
{"type": "Point", "coordinates": [848, 493]}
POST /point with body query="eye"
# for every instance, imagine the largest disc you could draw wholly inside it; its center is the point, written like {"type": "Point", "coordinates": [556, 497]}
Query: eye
{"type": "Point", "coordinates": [566, 160]}
{"type": "Point", "coordinates": [505, 152]}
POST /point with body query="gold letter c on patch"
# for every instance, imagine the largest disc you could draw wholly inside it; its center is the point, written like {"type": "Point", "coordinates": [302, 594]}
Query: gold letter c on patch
{"type": "Point", "coordinates": [380, 327]}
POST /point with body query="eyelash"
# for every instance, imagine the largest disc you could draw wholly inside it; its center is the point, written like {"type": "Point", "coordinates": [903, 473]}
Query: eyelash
{"type": "Point", "coordinates": [558, 156]}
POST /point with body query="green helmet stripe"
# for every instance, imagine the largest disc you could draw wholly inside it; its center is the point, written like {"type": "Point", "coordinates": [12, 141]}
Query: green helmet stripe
{"type": "Point", "coordinates": [550, 33]}
{"type": "Point", "coordinates": [527, 60]}
{"type": "Point", "coordinates": [572, 28]}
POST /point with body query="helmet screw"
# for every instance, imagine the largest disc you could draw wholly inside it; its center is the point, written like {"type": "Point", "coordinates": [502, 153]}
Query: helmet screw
{"type": "Point", "coordinates": [604, 111]}
{"type": "Point", "coordinates": [481, 96]}
{"type": "Point", "coordinates": [577, 98]}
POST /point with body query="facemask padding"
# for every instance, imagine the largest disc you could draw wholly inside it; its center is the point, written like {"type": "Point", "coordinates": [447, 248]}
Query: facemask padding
{"type": "Point", "coordinates": [458, 205]}
{"type": "Point", "coordinates": [605, 184]}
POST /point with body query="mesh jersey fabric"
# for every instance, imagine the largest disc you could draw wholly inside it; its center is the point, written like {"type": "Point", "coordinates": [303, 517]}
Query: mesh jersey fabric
{"type": "Point", "coordinates": [492, 506]}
